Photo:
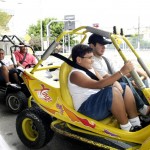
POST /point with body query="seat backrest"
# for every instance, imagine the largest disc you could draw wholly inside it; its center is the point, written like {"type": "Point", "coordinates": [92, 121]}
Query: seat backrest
{"type": "Point", "coordinates": [63, 77]}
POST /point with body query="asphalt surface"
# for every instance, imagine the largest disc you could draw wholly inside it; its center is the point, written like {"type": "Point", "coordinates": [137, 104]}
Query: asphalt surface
{"type": "Point", "coordinates": [9, 139]}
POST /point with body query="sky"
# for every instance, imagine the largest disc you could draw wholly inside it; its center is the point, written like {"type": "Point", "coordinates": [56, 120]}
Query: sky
{"type": "Point", "coordinates": [108, 13]}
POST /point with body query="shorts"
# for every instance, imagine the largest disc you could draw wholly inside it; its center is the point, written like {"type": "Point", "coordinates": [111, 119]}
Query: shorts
{"type": "Point", "coordinates": [98, 106]}
{"type": "Point", "coordinates": [11, 71]}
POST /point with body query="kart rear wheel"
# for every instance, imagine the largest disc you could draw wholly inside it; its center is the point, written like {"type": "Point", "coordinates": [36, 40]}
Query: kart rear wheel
{"type": "Point", "coordinates": [16, 101]}
{"type": "Point", "coordinates": [33, 127]}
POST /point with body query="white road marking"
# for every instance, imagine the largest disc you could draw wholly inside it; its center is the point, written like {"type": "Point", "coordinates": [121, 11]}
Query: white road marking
{"type": "Point", "coordinates": [3, 144]}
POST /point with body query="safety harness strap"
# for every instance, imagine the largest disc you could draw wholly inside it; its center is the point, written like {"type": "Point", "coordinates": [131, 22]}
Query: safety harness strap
{"type": "Point", "coordinates": [75, 65]}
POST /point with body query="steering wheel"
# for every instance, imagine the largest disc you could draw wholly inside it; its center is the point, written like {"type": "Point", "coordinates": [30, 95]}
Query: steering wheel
{"type": "Point", "coordinates": [29, 66]}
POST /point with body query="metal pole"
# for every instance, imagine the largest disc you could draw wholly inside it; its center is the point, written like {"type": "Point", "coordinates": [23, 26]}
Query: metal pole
{"type": "Point", "coordinates": [41, 34]}
{"type": "Point", "coordinates": [41, 24]}
{"type": "Point", "coordinates": [63, 44]}
{"type": "Point", "coordinates": [138, 32]}
{"type": "Point", "coordinates": [69, 42]}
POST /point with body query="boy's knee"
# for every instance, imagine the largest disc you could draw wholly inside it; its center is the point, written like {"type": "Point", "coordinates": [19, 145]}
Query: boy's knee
{"type": "Point", "coordinates": [3, 67]}
{"type": "Point", "coordinates": [116, 91]}
{"type": "Point", "coordinates": [127, 88]}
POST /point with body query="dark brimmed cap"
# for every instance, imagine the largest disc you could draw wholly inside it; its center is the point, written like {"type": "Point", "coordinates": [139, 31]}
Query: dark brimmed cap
{"type": "Point", "coordinates": [21, 44]}
{"type": "Point", "coordinates": [95, 38]}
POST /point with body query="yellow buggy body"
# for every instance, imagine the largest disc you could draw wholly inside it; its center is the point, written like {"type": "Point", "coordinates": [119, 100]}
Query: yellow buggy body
{"type": "Point", "coordinates": [54, 100]}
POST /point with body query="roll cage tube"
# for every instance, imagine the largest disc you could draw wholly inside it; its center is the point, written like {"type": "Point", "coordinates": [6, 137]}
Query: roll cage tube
{"type": "Point", "coordinates": [140, 61]}
{"type": "Point", "coordinates": [133, 73]}
{"type": "Point", "coordinates": [83, 30]}
{"type": "Point", "coordinates": [114, 37]}
{"type": "Point", "coordinates": [55, 43]}
{"type": "Point", "coordinates": [98, 31]}
{"type": "Point", "coordinates": [9, 38]}
{"type": "Point", "coordinates": [138, 57]}
{"type": "Point", "coordinates": [46, 54]}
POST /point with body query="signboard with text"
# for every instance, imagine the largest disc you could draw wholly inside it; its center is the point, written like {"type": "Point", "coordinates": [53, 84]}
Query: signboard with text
{"type": "Point", "coordinates": [69, 23]}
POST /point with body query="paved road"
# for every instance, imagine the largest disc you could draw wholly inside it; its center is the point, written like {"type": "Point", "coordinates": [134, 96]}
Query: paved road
{"type": "Point", "coordinates": [10, 141]}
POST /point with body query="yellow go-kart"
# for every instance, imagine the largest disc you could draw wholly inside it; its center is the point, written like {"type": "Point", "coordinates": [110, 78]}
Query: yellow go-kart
{"type": "Point", "coordinates": [55, 111]}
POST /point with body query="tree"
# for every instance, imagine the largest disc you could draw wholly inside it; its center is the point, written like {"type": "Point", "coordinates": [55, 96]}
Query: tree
{"type": "Point", "coordinates": [4, 19]}
{"type": "Point", "coordinates": [34, 31]}
{"type": "Point", "coordinates": [56, 28]}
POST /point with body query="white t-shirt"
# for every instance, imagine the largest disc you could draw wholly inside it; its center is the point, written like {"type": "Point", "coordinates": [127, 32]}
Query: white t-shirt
{"type": "Point", "coordinates": [100, 66]}
{"type": "Point", "coordinates": [79, 94]}
{"type": "Point", "coordinates": [7, 62]}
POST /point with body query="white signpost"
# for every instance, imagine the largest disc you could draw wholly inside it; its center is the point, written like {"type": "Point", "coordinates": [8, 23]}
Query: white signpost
{"type": "Point", "coordinates": [69, 22]}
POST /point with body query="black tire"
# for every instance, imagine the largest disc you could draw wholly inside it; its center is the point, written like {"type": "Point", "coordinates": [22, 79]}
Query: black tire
{"type": "Point", "coordinates": [33, 127]}
{"type": "Point", "coordinates": [16, 101]}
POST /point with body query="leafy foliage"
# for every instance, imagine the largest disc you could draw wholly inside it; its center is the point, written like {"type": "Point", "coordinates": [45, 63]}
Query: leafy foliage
{"type": "Point", "coordinates": [4, 19]}
{"type": "Point", "coordinates": [56, 28]}
{"type": "Point", "coordinates": [35, 30]}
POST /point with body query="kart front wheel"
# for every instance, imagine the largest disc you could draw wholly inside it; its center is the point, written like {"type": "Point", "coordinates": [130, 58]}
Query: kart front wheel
{"type": "Point", "coordinates": [16, 101]}
{"type": "Point", "coordinates": [33, 127]}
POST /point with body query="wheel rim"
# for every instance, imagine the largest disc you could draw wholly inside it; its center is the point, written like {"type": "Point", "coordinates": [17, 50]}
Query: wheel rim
{"type": "Point", "coordinates": [29, 129]}
{"type": "Point", "coordinates": [13, 103]}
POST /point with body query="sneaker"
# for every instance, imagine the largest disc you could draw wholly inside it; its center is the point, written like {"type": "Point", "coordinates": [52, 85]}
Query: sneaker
{"type": "Point", "coordinates": [135, 128]}
{"type": "Point", "coordinates": [145, 120]}
{"type": "Point", "coordinates": [16, 86]}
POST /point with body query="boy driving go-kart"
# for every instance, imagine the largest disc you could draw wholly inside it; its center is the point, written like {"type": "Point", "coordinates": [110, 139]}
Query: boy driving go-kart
{"type": "Point", "coordinates": [35, 126]}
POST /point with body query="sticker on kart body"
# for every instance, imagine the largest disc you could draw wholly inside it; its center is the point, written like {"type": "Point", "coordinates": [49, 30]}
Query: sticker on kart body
{"type": "Point", "coordinates": [43, 93]}
{"type": "Point", "coordinates": [110, 133]}
{"type": "Point", "coordinates": [60, 108]}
